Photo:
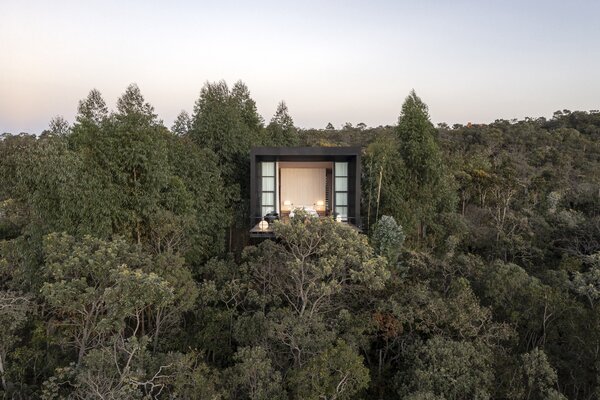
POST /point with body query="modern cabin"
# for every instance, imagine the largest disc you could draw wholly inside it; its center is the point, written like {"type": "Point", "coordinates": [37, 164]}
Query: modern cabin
{"type": "Point", "coordinates": [322, 181]}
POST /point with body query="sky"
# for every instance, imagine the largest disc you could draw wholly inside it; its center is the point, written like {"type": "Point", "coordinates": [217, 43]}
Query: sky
{"type": "Point", "coordinates": [331, 61]}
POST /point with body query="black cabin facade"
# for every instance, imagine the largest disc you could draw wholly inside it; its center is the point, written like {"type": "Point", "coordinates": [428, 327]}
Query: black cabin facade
{"type": "Point", "coordinates": [322, 181]}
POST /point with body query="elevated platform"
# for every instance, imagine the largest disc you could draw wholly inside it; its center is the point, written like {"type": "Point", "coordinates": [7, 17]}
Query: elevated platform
{"type": "Point", "coordinates": [257, 232]}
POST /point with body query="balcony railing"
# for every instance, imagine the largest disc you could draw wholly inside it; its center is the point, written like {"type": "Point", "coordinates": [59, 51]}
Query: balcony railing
{"type": "Point", "coordinates": [260, 229]}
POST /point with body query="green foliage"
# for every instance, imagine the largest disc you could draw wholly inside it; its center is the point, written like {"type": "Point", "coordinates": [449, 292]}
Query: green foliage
{"type": "Point", "coordinates": [13, 314]}
{"type": "Point", "coordinates": [539, 377]}
{"type": "Point", "coordinates": [523, 300]}
{"type": "Point", "coordinates": [182, 124]}
{"type": "Point", "coordinates": [59, 127]}
{"type": "Point", "coordinates": [94, 287]}
{"type": "Point", "coordinates": [282, 306]}
{"type": "Point", "coordinates": [387, 238]}
{"type": "Point", "coordinates": [126, 370]}
{"type": "Point", "coordinates": [114, 281]}
{"type": "Point", "coordinates": [194, 218]}
{"type": "Point", "coordinates": [587, 284]}
{"type": "Point", "coordinates": [337, 373]}
{"type": "Point", "coordinates": [451, 370]}
{"type": "Point", "coordinates": [47, 187]}
{"type": "Point", "coordinates": [383, 168]}
{"type": "Point", "coordinates": [281, 130]}
{"type": "Point", "coordinates": [319, 259]}
{"type": "Point", "coordinates": [425, 188]}
{"type": "Point", "coordinates": [93, 109]}
{"type": "Point", "coordinates": [194, 378]}
{"type": "Point", "coordinates": [120, 173]}
{"type": "Point", "coordinates": [418, 148]}
{"type": "Point", "coordinates": [406, 177]}
{"type": "Point", "coordinates": [423, 396]}
{"type": "Point", "coordinates": [253, 377]}
{"type": "Point", "coordinates": [226, 122]}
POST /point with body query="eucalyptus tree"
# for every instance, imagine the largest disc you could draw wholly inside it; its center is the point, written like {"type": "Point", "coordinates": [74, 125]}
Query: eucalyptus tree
{"type": "Point", "coordinates": [387, 238]}
{"type": "Point", "coordinates": [137, 161]}
{"type": "Point", "coordinates": [194, 215]}
{"type": "Point", "coordinates": [427, 189]}
{"type": "Point", "coordinates": [537, 378]}
{"type": "Point", "coordinates": [156, 189]}
{"type": "Point", "coordinates": [226, 122]}
{"type": "Point", "coordinates": [59, 126]}
{"type": "Point", "coordinates": [336, 374]}
{"type": "Point", "coordinates": [49, 188]}
{"type": "Point", "coordinates": [253, 376]}
{"type": "Point", "coordinates": [94, 288]}
{"type": "Point", "coordinates": [294, 298]}
{"type": "Point", "coordinates": [14, 307]}
{"type": "Point", "coordinates": [182, 124]}
{"type": "Point", "coordinates": [281, 130]}
{"type": "Point", "coordinates": [114, 310]}
{"type": "Point", "coordinates": [452, 370]}
{"type": "Point", "coordinates": [382, 180]}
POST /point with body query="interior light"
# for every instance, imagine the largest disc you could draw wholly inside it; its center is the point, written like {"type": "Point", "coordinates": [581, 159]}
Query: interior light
{"type": "Point", "coordinates": [263, 225]}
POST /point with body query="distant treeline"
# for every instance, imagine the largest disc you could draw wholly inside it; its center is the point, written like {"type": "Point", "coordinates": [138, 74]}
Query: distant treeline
{"type": "Point", "coordinates": [126, 271]}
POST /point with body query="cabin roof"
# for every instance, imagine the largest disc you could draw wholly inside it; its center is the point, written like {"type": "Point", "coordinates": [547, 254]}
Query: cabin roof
{"type": "Point", "coordinates": [305, 151]}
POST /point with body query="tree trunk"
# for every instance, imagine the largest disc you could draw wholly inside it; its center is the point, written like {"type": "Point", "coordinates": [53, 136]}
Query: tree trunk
{"type": "Point", "coordinates": [82, 350]}
{"type": "Point", "coordinates": [379, 190]}
{"type": "Point", "coordinates": [138, 232]}
{"type": "Point", "coordinates": [156, 332]}
{"type": "Point", "coordinates": [2, 373]}
{"type": "Point", "coordinates": [370, 195]}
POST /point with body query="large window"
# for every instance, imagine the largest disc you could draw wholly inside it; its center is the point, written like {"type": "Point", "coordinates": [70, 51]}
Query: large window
{"type": "Point", "coordinates": [267, 187]}
{"type": "Point", "coordinates": [341, 189]}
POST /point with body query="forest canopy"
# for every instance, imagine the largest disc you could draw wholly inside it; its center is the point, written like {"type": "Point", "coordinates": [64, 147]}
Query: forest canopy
{"type": "Point", "coordinates": [126, 270]}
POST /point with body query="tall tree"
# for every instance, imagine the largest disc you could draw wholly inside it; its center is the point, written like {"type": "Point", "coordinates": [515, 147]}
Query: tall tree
{"type": "Point", "coordinates": [92, 287]}
{"type": "Point", "coordinates": [133, 150]}
{"type": "Point", "coordinates": [182, 124]}
{"type": "Point", "coordinates": [227, 123]}
{"type": "Point", "coordinates": [59, 126]}
{"type": "Point", "coordinates": [194, 218]}
{"type": "Point", "coordinates": [281, 130]}
{"type": "Point", "coordinates": [382, 183]}
{"type": "Point", "coordinates": [14, 307]}
{"type": "Point", "coordinates": [93, 108]}
{"type": "Point", "coordinates": [425, 184]}
{"type": "Point", "coordinates": [246, 106]}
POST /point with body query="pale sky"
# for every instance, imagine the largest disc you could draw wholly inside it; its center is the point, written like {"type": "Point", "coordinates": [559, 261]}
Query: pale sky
{"type": "Point", "coordinates": [331, 61]}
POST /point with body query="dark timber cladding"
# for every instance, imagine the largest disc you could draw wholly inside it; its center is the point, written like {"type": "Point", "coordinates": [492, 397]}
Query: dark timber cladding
{"type": "Point", "coordinates": [336, 170]}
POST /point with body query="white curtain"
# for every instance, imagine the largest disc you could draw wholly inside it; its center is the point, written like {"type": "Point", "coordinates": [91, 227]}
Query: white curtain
{"type": "Point", "coordinates": [302, 186]}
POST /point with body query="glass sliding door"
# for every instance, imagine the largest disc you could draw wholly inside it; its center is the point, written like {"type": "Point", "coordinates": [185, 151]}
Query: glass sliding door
{"type": "Point", "coordinates": [341, 190]}
{"type": "Point", "coordinates": [267, 187]}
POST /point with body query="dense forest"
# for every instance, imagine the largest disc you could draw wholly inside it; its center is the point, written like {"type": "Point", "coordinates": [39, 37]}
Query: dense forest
{"type": "Point", "coordinates": [126, 271]}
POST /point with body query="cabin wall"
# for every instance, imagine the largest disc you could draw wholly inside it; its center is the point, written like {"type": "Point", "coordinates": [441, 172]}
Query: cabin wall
{"type": "Point", "coordinates": [303, 186]}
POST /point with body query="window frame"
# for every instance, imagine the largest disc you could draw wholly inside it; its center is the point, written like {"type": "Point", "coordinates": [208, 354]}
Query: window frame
{"type": "Point", "coordinates": [262, 192]}
{"type": "Point", "coordinates": [336, 175]}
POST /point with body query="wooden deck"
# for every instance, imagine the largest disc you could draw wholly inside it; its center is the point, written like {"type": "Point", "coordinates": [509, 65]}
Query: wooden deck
{"type": "Point", "coordinates": [256, 232]}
